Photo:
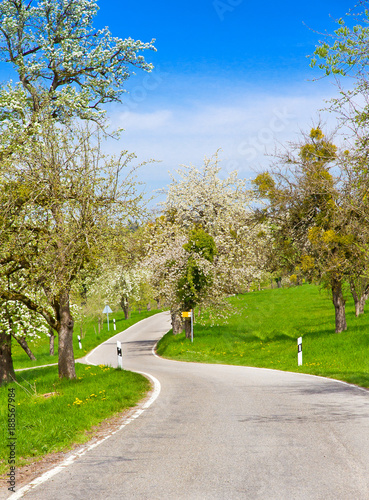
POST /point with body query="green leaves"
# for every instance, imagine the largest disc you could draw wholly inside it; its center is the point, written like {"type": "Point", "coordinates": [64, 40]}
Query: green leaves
{"type": "Point", "coordinates": [201, 243]}
{"type": "Point", "coordinates": [196, 279]}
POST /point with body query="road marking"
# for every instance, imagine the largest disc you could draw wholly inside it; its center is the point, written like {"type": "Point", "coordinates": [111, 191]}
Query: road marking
{"type": "Point", "coordinates": [68, 461]}
{"type": "Point", "coordinates": [112, 338]}
{"type": "Point", "coordinates": [153, 350]}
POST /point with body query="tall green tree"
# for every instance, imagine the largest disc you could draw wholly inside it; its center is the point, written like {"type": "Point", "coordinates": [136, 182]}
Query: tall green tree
{"type": "Point", "coordinates": [196, 279]}
{"type": "Point", "coordinates": [73, 201]}
{"type": "Point", "coordinates": [344, 53]}
{"type": "Point", "coordinates": [313, 229]}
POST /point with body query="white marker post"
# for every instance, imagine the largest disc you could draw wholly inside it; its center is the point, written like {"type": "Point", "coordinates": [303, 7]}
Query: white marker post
{"type": "Point", "coordinates": [119, 354]}
{"type": "Point", "coordinates": [299, 351]}
{"type": "Point", "coordinates": [106, 311]}
{"type": "Point", "coordinates": [114, 324]}
{"type": "Point", "coordinates": [79, 341]}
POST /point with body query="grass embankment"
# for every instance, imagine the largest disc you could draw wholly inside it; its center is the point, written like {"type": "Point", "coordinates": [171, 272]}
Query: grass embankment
{"type": "Point", "coordinates": [51, 414]}
{"type": "Point", "coordinates": [264, 334]}
{"type": "Point", "coordinates": [90, 339]}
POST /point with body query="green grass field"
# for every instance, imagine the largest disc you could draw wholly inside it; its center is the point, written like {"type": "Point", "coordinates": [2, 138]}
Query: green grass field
{"type": "Point", "coordinates": [72, 408]}
{"type": "Point", "coordinates": [264, 332]}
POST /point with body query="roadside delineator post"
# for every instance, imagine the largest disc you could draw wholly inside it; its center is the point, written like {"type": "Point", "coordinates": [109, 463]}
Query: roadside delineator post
{"type": "Point", "coordinates": [79, 341]}
{"type": "Point", "coordinates": [114, 324]}
{"type": "Point", "coordinates": [189, 314]}
{"type": "Point", "coordinates": [119, 354]}
{"type": "Point", "coordinates": [299, 351]}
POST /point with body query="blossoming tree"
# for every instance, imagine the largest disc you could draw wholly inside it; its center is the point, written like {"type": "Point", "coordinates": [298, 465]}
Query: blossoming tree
{"type": "Point", "coordinates": [63, 64]}
{"type": "Point", "coordinates": [202, 201]}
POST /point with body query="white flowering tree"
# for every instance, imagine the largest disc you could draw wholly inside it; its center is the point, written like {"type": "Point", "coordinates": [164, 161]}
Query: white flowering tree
{"type": "Point", "coordinates": [120, 285]}
{"type": "Point", "coordinates": [22, 324]}
{"type": "Point", "coordinates": [63, 63]}
{"type": "Point", "coordinates": [200, 199]}
{"type": "Point", "coordinates": [17, 322]}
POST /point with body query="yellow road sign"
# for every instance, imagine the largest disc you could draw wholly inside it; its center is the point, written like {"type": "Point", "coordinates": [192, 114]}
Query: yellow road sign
{"type": "Point", "coordinates": [186, 314]}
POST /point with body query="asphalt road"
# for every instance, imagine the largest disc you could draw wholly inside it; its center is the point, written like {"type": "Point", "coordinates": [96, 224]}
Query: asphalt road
{"type": "Point", "coordinates": [224, 432]}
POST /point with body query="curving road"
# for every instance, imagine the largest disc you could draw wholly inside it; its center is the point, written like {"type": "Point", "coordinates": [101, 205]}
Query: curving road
{"type": "Point", "coordinates": [223, 432]}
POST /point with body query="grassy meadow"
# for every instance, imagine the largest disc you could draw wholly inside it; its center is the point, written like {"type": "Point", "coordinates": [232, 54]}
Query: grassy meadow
{"type": "Point", "coordinates": [264, 332]}
{"type": "Point", "coordinates": [52, 415]}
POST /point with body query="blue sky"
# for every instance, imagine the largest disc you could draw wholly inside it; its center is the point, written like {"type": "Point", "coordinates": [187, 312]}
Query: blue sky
{"type": "Point", "coordinates": [229, 74]}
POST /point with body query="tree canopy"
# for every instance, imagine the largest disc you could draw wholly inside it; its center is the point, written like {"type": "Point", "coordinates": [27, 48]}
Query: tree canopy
{"type": "Point", "coordinates": [62, 62]}
{"type": "Point", "coordinates": [66, 201]}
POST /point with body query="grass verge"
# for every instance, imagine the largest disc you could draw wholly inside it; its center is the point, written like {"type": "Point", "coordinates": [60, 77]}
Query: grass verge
{"type": "Point", "coordinates": [53, 415]}
{"type": "Point", "coordinates": [264, 331]}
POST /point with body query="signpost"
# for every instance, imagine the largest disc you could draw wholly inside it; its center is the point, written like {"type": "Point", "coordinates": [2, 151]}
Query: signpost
{"type": "Point", "coordinates": [106, 311]}
{"type": "Point", "coordinates": [119, 354]}
{"type": "Point", "coordinates": [189, 314]}
{"type": "Point", "coordinates": [299, 351]}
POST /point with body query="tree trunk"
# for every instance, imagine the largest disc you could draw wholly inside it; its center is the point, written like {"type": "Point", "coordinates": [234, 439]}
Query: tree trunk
{"type": "Point", "coordinates": [125, 306]}
{"type": "Point", "coordinates": [339, 306]}
{"type": "Point", "coordinates": [23, 343]}
{"type": "Point", "coordinates": [65, 337]}
{"type": "Point", "coordinates": [359, 300]}
{"type": "Point", "coordinates": [7, 373]}
{"type": "Point", "coordinates": [177, 323]}
{"type": "Point", "coordinates": [51, 342]}
{"type": "Point", "coordinates": [149, 306]}
{"type": "Point", "coordinates": [187, 327]}
{"type": "Point", "coordinates": [158, 305]}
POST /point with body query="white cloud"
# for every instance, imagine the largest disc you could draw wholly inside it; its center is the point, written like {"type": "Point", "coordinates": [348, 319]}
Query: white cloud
{"type": "Point", "coordinates": [245, 127]}
{"type": "Point", "coordinates": [135, 122]}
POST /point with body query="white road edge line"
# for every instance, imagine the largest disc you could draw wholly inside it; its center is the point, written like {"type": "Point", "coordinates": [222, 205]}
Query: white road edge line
{"type": "Point", "coordinates": [49, 474]}
{"type": "Point", "coordinates": [354, 386]}
{"type": "Point", "coordinates": [113, 337]}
